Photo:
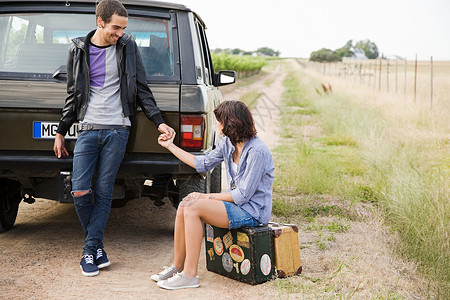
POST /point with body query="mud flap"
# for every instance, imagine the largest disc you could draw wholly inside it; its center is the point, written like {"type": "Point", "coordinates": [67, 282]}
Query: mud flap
{"type": "Point", "coordinates": [65, 187]}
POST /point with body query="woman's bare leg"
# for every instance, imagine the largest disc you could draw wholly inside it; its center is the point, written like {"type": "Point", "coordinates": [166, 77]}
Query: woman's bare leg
{"type": "Point", "coordinates": [209, 211]}
{"type": "Point", "coordinates": [179, 241]}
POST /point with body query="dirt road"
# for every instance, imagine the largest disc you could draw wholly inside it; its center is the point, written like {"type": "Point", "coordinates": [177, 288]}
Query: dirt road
{"type": "Point", "coordinates": [39, 258]}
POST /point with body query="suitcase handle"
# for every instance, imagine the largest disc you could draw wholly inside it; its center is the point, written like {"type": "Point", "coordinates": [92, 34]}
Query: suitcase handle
{"type": "Point", "coordinates": [294, 227]}
{"type": "Point", "coordinates": [281, 224]}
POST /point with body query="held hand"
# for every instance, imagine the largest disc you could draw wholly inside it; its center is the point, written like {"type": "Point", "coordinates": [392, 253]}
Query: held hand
{"type": "Point", "coordinates": [167, 131]}
{"type": "Point", "coordinates": [59, 148]}
{"type": "Point", "coordinates": [163, 141]}
{"type": "Point", "coordinates": [166, 140]}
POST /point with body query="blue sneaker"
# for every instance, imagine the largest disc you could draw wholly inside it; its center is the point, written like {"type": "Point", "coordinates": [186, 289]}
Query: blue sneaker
{"type": "Point", "coordinates": [101, 260]}
{"type": "Point", "coordinates": [87, 265]}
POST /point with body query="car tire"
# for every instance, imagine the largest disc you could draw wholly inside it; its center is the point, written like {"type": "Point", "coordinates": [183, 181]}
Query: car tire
{"type": "Point", "coordinates": [215, 185]}
{"type": "Point", "coordinates": [10, 198]}
{"type": "Point", "coordinates": [195, 183]}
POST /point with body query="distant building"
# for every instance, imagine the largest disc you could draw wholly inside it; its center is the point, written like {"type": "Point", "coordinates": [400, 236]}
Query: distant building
{"type": "Point", "coordinates": [393, 57]}
{"type": "Point", "coordinates": [358, 53]}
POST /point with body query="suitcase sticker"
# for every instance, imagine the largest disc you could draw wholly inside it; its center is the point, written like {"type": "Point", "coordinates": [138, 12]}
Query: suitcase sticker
{"type": "Point", "coordinates": [242, 239]}
{"type": "Point", "coordinates": [227, 240]}
{"type": "Point", "coordinates": [245, 267]}
{"type": "Point", "coordinates": [209, 233]}
{"type": "Point", "coordinates": [218, 246]}
{"type": "Point", "coordinates": [236, 253]}
{"type": "Point", "coordinates": [265, 264]}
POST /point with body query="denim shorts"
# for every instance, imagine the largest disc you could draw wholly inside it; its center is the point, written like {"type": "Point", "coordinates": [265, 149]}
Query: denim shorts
{"type": "Point", "coordinates": [238, 217]}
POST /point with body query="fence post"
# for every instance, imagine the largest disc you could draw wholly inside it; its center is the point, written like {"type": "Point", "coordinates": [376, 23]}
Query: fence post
{"type": "Point", "coordinates": [415, 80]}
{"type": "Point", "coordinates": [360, 73]}
{"type": "Point", "coordinates": [387, 75]}
{"type": "Point", "coordinates": [396, 76]}
{"type": "Point", "coordinates": [431, 86]}
{"type": "Point", "coordinates": [406, 63]}
{"type": "Point", "coordinates": [379, 76]}
{"type": "Point", "coordinates": [375, 75]}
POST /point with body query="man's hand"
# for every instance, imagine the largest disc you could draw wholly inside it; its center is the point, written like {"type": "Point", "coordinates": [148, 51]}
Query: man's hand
{"type": "Point", "coordinates": [59, 148]}
{"type": "Point", "coordinates": [167, 132]}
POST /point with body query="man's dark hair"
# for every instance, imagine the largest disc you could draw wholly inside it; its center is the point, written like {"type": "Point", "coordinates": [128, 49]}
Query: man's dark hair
{"type": "Point", "coordinates": [107, 8]}
{"type": "Point", "coordinates": [237, 121]}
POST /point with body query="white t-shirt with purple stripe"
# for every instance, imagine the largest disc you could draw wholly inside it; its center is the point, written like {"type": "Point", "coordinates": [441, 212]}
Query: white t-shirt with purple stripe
{"type": "Point", "coordinates": [105, 107]}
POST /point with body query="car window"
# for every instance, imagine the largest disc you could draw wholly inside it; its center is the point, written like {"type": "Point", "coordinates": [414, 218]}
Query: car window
{"type": "Point", "coordinates": [38, 43]}
{"type": "Point", "coordinates": [204, 66]}
{"type": "Point", "coordinates": [206, 54]}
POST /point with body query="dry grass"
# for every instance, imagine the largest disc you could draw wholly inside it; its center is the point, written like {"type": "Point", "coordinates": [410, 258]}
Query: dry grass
{"type": "Point", "coordinates": [358, 263]}
{"type": "Point", "coordinates": [347, 251]}
{"type": "Point", "coordinates": [395, 85]}
{"type": "Point", "coordinates": [406, 150]}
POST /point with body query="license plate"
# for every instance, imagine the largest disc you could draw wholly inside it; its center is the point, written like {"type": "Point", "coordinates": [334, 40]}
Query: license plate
{"type": "Point", "coordinates": [44, 130]}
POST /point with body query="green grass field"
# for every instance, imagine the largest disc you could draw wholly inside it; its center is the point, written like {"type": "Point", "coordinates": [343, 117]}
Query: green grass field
{"type": "Point", "coordinates": [358, 146]}
{"type": "Point", "coordinates": [244, 65]}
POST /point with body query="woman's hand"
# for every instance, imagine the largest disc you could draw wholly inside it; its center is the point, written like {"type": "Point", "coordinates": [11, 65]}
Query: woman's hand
{"type": "Point", "coordinates": [166, 130]}
{"type": "Point", "coordinates": [192, 198]}
{"type": "Point", "coordinates": [197, 195]}
{"type": "Point", "coordinates": [164, 141]}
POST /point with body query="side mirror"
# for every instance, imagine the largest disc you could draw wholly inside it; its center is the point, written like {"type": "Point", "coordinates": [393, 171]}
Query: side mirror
{"type": "Point", "coordinates": [60, 73]}
{"type": "Point", "coordinates": [225, 77]}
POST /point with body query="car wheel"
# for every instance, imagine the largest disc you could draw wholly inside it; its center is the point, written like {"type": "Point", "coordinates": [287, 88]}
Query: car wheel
{"type": "Point", "coordinates": [211, 184]}
{"type": "Point", "coordinates": [215, 185]}
{"type": "Point", "coordinates": [193, 184]}
{"type": "Point", "coordinates": [10, 198]}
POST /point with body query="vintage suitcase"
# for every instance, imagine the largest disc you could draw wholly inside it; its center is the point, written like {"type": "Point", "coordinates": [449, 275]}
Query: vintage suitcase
{"type": "Point", "coordinates": [286, 249]}
{"type": "Point", "coordinates": [244, 254]}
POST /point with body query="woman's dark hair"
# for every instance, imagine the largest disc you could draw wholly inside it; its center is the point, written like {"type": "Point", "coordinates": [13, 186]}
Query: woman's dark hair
{"type": "Point", "coordinates": [237, 121]}
{"type": "Point", "coordinates": [107, 8]}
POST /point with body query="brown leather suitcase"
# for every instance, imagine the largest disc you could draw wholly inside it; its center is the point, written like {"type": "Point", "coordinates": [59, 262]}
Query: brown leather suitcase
{"type": "Point", "coordinates": [286, 249]}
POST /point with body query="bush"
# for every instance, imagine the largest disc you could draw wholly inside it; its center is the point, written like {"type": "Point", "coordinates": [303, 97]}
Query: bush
{"type": "Point", "coordinates": [325, 55]}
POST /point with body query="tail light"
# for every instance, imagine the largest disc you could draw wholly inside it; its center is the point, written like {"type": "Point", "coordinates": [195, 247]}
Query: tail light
{"type": "Point", "coordinates": [192, 132]}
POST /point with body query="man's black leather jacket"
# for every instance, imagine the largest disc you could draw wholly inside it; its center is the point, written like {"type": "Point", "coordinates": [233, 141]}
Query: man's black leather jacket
{"type": "Point", "coordinates": [133, 82]}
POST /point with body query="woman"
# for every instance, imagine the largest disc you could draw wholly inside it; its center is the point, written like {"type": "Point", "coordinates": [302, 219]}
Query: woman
{"type": "Point", "coordinates": [248, 202]}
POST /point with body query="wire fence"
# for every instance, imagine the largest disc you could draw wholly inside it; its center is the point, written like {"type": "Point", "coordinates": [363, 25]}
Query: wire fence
{"type": "Point", "coordinates": [420, 81]}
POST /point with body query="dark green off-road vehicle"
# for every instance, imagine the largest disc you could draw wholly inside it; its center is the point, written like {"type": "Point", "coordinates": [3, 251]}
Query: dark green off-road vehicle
{"type": "Point", "coordinates": [34, 40]}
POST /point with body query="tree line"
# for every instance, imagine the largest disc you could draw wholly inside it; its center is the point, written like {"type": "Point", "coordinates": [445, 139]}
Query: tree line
{"type": "Point", "coordinates": [360, 49]}
{"type": "Point", "coordinates": [263, 51]}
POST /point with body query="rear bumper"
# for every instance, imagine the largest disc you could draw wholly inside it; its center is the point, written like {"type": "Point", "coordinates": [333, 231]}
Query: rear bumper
{"type": "Point", "coordinates": [41, 164]}
{"type": "Point", "coordinates": [43, 175]}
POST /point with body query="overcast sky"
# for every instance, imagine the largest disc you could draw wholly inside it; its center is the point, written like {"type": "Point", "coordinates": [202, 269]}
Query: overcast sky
{"type": "Point", "coordinates": [298, 27]}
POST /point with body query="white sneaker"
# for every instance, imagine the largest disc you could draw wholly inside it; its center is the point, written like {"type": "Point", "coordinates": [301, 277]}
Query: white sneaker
{"type": "Point", "coordinates": [179, 281]}
{"type": "Point", "coordinates": [165, 274]}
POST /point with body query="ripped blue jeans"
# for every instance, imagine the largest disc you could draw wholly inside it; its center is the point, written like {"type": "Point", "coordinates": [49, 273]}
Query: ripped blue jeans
{"type": "Point", "coordinates": [101, 150]}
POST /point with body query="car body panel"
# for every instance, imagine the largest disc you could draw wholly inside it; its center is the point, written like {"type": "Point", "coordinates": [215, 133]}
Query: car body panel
{"type": "Point", "coordinates": [185, 85]}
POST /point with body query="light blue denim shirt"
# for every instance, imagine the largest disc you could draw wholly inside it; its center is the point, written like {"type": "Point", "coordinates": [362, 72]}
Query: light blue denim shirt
{"type": "Point", "coordinates": [251, 186]}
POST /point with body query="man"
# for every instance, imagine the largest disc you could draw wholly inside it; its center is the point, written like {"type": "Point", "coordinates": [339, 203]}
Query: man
{"type": "Point", "coordinates": [101, 96]}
